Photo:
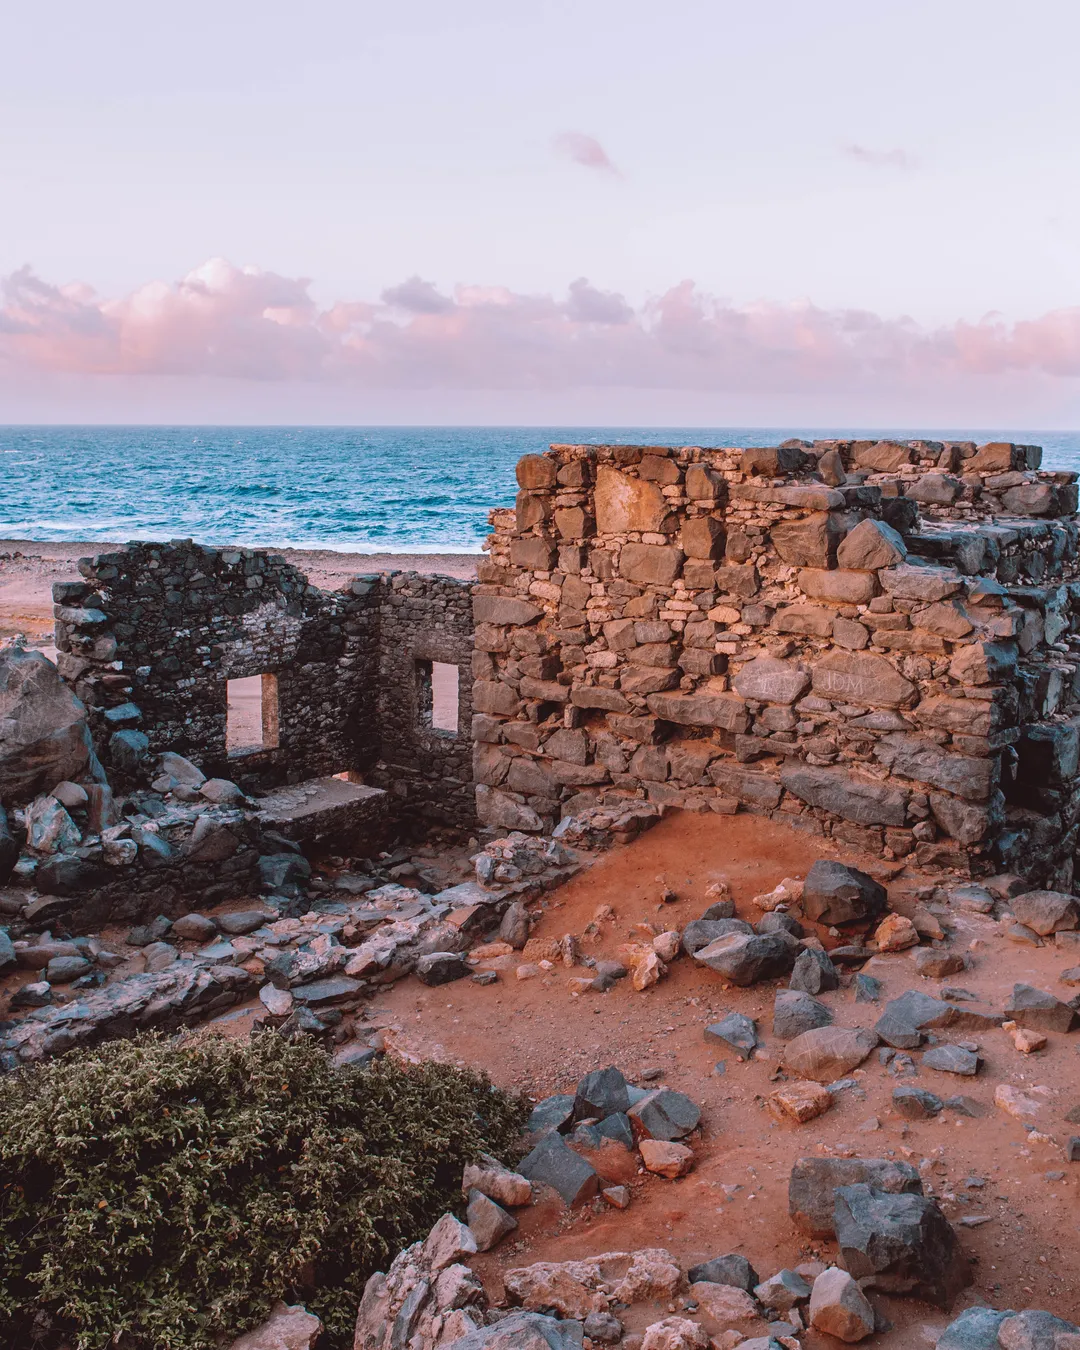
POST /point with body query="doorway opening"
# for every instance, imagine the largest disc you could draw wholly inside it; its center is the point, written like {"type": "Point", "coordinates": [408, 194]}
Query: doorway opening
{"type": "Point", "coordinates": [439, 696]}
{"type": "Point", "coordinates": [251, 722]}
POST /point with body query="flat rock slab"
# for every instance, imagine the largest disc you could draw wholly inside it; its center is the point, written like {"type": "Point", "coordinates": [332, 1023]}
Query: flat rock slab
{"type": "Point", "coordinates": [827, 1053]}
{"type": "Point", "coordinates": [952, 1059]}
{"type": "Point", "coordinates": [814, 1180]}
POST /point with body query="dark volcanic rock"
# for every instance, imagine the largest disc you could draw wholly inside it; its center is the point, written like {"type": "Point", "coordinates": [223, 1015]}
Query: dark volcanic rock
{"type": "Point", "coordinates": [601, 1093]}
{"type": "Point", "coordinates": [731, 1269]}
{"type": "Point", "coordinates": [813, 1181]}
{"type": "Point", "coordinates": [442, 967]}
{"type": "Point", "coordinates": [736, 1031]}
{"type": "Point", "coordinates": [664, 1114]}
{"type": "Point", "coordinates": [795, 1012]}
{"type": "Point", "coordinates": [553, 1163]}
{"type": "Point", "coordinates": [1036, 1008]}
{"type": "Point", "coordinates": [746, 958]}
{"type": "Point", "coordinates": [813, 972]}
{"type": "Point", "coordinates": [901, 1244]}
{"type": "Point", "coordinates": [834, 894]}
{"type": "Point", "coordinates": [700, 932]}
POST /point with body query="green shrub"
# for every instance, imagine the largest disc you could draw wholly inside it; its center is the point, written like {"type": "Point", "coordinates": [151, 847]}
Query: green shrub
{"type": "Point", "coordinates": [156, 1193]}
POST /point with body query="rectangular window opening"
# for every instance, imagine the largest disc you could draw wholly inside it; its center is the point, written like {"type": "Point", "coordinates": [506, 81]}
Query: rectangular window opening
{"type": "Point", "coordinates": [251, 722]}
{"type": "Point", "coordinates": [437, 686]}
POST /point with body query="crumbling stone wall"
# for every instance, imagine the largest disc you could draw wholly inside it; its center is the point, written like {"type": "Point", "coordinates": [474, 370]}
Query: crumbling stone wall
{"type": "Point", "coordinates": [153, 633]}
{"type": "Point", "coordinates": [782, 629]}
{"type": "Point", "coordinates": [423, 619]}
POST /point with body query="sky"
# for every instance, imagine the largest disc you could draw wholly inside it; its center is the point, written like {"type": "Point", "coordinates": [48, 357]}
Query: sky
{"type": "Point", "coordinates": [701, 211]}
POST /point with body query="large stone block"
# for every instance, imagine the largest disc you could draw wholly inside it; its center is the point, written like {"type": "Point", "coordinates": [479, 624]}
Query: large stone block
{"type": "Point", "coordinates": [808, 619]}
{"type": "Point", "coordinates": [870, 545]}
{"type": "Point", "coordinates": [908, 581]}
{"type": "Point", "coordinates": [863, 800]}
{"type": "Point", "coordinates": [726, 711]}
{"type": "Point", "coordinates": [504, 609]}
{"type": "Point", "coordinates": [748, 785]}
{"type": "Point", "coordinates": [702, 537]}
{"type": "Point", "coordinates": [496, 698]}
{"type": "Point", "coordinates": [984, 663]}
{"type": "Point", "coordinates": [835, 893]}
{"type": "Point", "coordinates": [535, 553]}
{"type": "Point", "coordinates": [924, 761]}
{"type": "Point", "coordinates": [771, 461]}
{"type": "Point", "coordinates": [650, 564]}
{"type": "Point", "coordinates": [963, 821]}
{"type": "Point", "coordinates": [594, 696]}
{"type": "Point", "coordinates": [625, 504]}
{"type": "Point", "coordinates": [861, 677]}
{"type": "Point", "coordinates": [810, 542]}
{"type": "Point", "coordinates": [536, 471]}
{"type": "Point", "coordinates": [884, 456]}
{"type": "Point", "coordinates": [841, 586]}
{"type": "Point", "coordinates": [770, 680]}
{"type": "Point", "coordinates": [704, 484]}
{"type": "Point", "coordinates": [738, 579]}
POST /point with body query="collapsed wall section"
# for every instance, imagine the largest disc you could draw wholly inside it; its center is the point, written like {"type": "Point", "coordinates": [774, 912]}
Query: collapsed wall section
{"type": "Point", "coordinates": [782, 630]}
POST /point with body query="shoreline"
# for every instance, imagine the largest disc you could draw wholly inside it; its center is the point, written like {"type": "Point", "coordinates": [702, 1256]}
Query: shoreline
{"type": "Point", "coordinates": [28, 568]}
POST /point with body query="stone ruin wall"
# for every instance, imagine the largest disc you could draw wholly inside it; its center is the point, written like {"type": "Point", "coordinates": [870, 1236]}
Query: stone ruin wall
{"type": "Point", "coordinates": [718, 629]}
{"type": "Point", "coordinates": [153, 633]}
{"type": "Point", "coordinates": [423, 619]}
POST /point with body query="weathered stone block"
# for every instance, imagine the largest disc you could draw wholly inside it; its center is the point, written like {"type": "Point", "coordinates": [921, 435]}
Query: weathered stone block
{"type": "Point", "coordinates": [504, 609]}
{"type": "Point", "coordinates": [861, 677]}
{"type": "Point", "coordinates": [726, 711]}
{"type": "Point", "coordinates": [535, 554]}
{"type": "Point", "coordinates": [770, 680]}
{"type": "Point", "coordinates": [625, 504]}
{"type": "Point", "coordinates": [804, 619]}
{"type": "Point", "coordinates": [650, 564]}
{"type": "Point", "coordinates": [870, 545]}
{"type": "Point", "coordinates": [842, 586]}
{"type": "Point", "coordinates": [536, 471]}
{"type": "Point", "coordinates": [702, 537]}
{"type": "Point", "coordinates": [811, 542]}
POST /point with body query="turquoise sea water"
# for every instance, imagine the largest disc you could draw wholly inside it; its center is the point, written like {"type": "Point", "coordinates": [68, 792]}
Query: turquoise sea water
{"type": "Point", "coordinates": [354, 489]}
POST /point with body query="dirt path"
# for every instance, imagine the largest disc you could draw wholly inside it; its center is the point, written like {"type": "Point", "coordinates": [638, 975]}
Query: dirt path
{"type": "Point", "coordinates": [536, 1036]}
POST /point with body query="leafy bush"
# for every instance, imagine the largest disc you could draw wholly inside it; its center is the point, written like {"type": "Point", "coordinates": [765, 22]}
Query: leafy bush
{"type": "Point", "coordinates": [156, 1193]}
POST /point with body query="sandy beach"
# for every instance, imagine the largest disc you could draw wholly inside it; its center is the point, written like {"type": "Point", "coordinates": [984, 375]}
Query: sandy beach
{"type": "Point", "coordinates": [28, 570]}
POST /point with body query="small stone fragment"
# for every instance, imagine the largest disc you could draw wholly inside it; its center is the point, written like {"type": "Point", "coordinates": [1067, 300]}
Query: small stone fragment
{"type": "Point", "coordinates": [800, 1101]}
{"type": "Point", "coordinates": [839, 1307]}
{"type": "Point", "coordinates": [666, 1158]}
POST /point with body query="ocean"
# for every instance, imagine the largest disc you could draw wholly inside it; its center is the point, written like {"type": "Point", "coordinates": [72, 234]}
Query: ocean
{"type": "Point", "coordinates": [350, 489]}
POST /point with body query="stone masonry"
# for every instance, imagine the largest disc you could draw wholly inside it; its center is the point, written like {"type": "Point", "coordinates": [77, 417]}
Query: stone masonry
{"type": "Point", "coordinates": [874, 640]}
{"type": "Point", "coordinates": [153, 633]}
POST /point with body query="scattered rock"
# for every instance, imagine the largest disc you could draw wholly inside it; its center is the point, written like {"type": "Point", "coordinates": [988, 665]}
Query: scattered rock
{"type": "Point", "coordinates": [666, 1158]}
{"type": "Point", "coordinates": [664, 1114]}
{"type": "Point", "coordinates": [899, 1243]}
{"type": "Point", "coordinates": [825, 1053]}
{"type": "Point", "coordinates": [675, 1333]}
{"type": "Point", "coordinates": [731, 1269]}
{"type": "Point", "coordinates": [800, 1101]}
{"type": "Point", "coordinates": [441, 968]}
{"type": "Point", "coordinates": [736, 1031]}
{"type": "Point", "coordinates": [488, 1222]}
{"type": "Point", "coordinates": [795, 1012]}
{"type": "Point", "coordinates": [782, 1291]}
{"type": "Point", "coordinates": [553, 1163]}
{"type": "Point", "coordinates": [195, 928]}
{"type": "Point", "coordinates": [916, 1104]}
{"type": "Point", "coordinates": [813, 972]}
{"type": "Point", "coordinates": [839, 1307]}
{"type": "Point", "coordinates": [1046, 912]}
{"type": "Point", "coordinates": [289, 1327]}
{"type": "Point", "coordinates": [746, 958]}
{"type": "Point", "coordinates": [814, 1180]}
{"type": "Point", "coordinates": [895, 933]}
{"type": "Point", "coordinates": [934, 964]}
{"type": "Point", "coordinates": [1022, 1103]}
{"type": "Point", "coordinates": [601, 1093]}
{"type": "Point", "coordinates": [497, 1182]}
{"type": "Point", "coordinates": [1036, 1008]}
{"type": "Point", "coordinates": [836, 894]}
{"type": "Point", "coordinates": [952, 1059]}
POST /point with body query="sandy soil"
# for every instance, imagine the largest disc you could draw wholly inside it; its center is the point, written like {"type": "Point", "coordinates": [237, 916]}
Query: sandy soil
{"type": "Point", "coordinates": [28, 569]}
{"type": "Point", "coordinates": [536, 1036]}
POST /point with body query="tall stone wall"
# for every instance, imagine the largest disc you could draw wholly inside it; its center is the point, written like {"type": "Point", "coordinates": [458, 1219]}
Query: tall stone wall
{"type": "Point", "coordinates": [873, 640]}
{"type": "Point", "coordinates": [424, 619]}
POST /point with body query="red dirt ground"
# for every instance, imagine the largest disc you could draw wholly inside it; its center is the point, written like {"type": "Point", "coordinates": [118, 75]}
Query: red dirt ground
{"type": "Point", "coordinates": [536, 1036]}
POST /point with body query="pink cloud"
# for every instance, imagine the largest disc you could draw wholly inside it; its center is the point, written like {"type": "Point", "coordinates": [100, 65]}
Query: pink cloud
{"type": "Point", "coordinates": [881, 159]}
{"type": "Point", "coordinates": [222, 322]}
{"type": "Point", "coordinates": [584, 150]}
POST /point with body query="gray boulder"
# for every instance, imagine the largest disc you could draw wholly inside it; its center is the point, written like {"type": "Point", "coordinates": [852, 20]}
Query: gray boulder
{"type": "Point", "coordinates": [700, 932]}
{"type": "Point", "coordinates": [601, 1093]}
{"type": "Point", "coordinates": [795, 1012]}
{"type": "Point", "coordinates": [1036, 1008]}
{"type": "Point", "coordinates": [901, 1244]}
{"type": "Point", "coordinates": [974, 1329]}
{"type": "Point", "coordinates": [814, 1180]}
{"type": "Point", "coordinates": [834, 894]}
{"type": "Point", "coordinates": [523, 1331]}
{"type": "Point", "coordinates": [442, 968]}
{"type": "Point", "coordinates": [736, 1031]}
{"type": "Point", "coordinates": [731, 1269]}
{"type": "Point", "coordinates": [745, 958]}
{"type": "Point", "coordinates": [44, 736]}
{"type": "Point", "coordinates": [553, 1163]}
{"type": "Point", "coordinates": [916, 1104]}
{"type": "Point", "coordinates": [664, 1114]}
{"type": "Point", "coordinates": [813, 972]}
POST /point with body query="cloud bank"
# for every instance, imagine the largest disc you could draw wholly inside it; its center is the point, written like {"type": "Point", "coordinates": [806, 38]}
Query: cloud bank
{"type": "Point", "coordinates": [227, 323]}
